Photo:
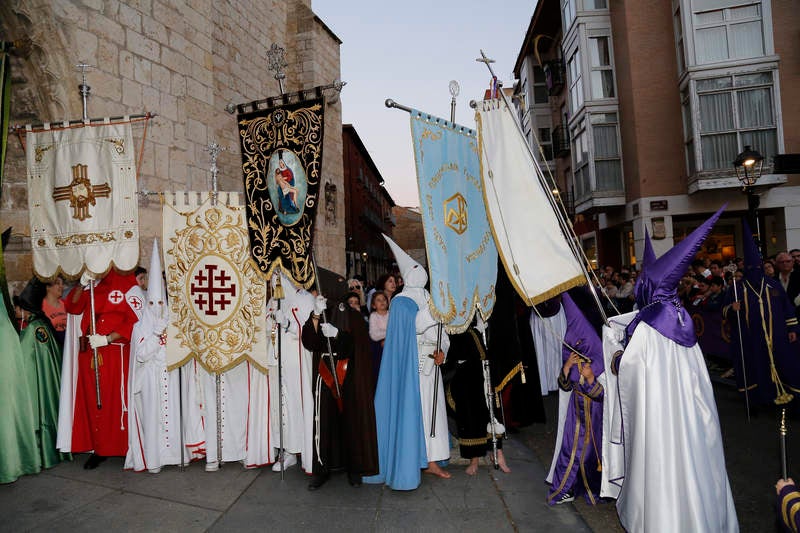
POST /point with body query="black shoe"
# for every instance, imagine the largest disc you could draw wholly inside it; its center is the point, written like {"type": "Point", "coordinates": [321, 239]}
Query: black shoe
{"type": "Point", "coordinates": [565, 498]}
{"type": "Point", "coordinates": [317, 481]}
{"type": "Point", "coordinates": [354, 479]}
{"type": "Point", "coordinates": [93, 461]}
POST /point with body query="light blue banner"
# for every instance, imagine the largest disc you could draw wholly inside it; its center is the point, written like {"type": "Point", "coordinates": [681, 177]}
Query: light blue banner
{"type": "Point", "coordinates": [462, 256]}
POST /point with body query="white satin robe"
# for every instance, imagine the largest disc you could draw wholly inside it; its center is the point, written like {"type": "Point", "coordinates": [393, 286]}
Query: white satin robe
{"type": "Point", "coordinates": [662, 447]}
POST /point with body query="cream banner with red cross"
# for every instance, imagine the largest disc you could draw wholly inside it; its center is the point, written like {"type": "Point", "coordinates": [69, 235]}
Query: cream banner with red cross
{"type": "Point", "coordinates": [82, 199]}
{"type": "Point", "coordinates": [216, 297]}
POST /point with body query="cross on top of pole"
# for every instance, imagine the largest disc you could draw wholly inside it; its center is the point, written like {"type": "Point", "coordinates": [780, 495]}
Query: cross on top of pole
{"type": "Point", "coordinates": [277, 61]}
{"type": "Point", "coordinates": [486, 61]}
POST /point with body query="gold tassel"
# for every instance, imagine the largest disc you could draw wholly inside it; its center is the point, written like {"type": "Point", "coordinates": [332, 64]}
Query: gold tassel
{"type": "Point", "coordinates": [784, 398]}
{"type": "Point", "coordinates": [99, 360]}
{"type": "Point", "coordinates": [522, 375]}
{"type": "Point", "coordinates": [277, 292]}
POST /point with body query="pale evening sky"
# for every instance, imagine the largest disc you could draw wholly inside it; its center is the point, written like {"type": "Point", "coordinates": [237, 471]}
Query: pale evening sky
{"type": "Point", "coordinates": [409, 51]}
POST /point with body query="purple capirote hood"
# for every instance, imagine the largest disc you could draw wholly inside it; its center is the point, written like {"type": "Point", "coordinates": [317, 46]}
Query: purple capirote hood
{"type": "Point", "coordinates": [657, 287]}
{"type": "Point", "coordinates": [580, 337]}
{"type": "Point", "coordinates": [753, 264]}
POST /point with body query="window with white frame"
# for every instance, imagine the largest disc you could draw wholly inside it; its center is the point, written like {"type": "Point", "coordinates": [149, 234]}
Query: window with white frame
{"type": "Point", "coordinates": [602, 72]}
{"type": "Point", "coordinates": [688, 132]}
{"type": "Point", "coordinates": [679, 43]}
{"type": "Point", "coordinates": [727, 29]}
{"type": "Point", "coordinates": [540, 94]}
{"type": "Point", "coordinates": [567, 13]}
{"type": "Point", "coordinates": [595, 4]}
{"type": "Point", "coordinates": [575, 82]}
{"type": "Point", "coordinates": [607, 164]}
{"type": "Point", "coordinates": [580, 155]}
{"type": "Point", "coordinates": [546, 144]}
{"type": "Point", "coordinates": [589, 245]}
{"type": "Point", "coordinates": [735, 111]}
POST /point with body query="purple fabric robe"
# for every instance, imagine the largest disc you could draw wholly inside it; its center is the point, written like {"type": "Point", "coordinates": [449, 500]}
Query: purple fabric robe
{"type": "Point", "coordinates": [577, 469]}
{"type": "Point", "coordinates": [766, 313]}
{"type": "Point", "coordinates": [778, 321]}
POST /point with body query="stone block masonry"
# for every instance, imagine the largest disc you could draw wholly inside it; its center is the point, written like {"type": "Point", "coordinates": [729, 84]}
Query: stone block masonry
{"type": "Point", "coordinates": [185, 60]}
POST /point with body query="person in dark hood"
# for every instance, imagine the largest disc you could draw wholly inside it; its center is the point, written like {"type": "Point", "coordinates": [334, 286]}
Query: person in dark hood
{"type": "Point", "coordinates": [344, 432]}
{"type": "Point", "coordinates": [766, 365]}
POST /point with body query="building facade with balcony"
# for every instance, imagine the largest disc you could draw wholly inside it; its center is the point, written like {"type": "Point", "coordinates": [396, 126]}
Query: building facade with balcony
{"type": "Point", "coordinates": [649, 105]}
{"type": "Point", "coordinates": [368, 211]}
{"type": "Point", "coordinates": [409, 234]}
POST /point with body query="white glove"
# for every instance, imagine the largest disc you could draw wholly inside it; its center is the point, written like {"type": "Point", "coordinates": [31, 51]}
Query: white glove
{"type": "Point", "coordinates": [499, 428]}
{"type": "Point", "coordinates": [328, 330]}
{"type": "Point", "coordinates": [280, 318]}
{"type": "Point", "coordinates": [86, 278]}
{"type": "Point", "coordinates": [98, 341]}
{"type": "Point", "coordinates": [480, 325]}
{"type": "Point", "coordinates": [320, 304]}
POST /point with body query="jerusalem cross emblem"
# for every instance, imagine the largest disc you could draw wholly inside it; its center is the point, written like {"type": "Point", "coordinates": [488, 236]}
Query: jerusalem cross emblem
{"type": "Point", "coordinates": [212, 290]}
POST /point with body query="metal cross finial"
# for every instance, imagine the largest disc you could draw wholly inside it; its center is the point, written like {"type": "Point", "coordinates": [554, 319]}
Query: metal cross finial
{"type": "Point", "coordinates": [84, 88]}
{"type": "Point", "coordinates": [484, 59]}
{"type": "Point", "coordinates": [277, 62]}
{"type": "Point", "coordinates": [214, 149]}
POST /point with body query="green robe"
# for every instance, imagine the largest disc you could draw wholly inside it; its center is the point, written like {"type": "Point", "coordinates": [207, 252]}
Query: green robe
{"type": "Point", "coordinates": [43, 369]}
{"type": "Point", "coordinates": [18, 451]}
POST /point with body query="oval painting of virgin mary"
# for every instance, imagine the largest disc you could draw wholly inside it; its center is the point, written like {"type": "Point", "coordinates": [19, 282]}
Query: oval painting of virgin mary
{"type": "Point", "coordinates": [287, 185]}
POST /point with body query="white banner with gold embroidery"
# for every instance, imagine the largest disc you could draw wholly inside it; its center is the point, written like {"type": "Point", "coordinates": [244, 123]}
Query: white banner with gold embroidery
{"type": "Point", "coordinates": [82, 199]}
{"type": "Point", "coordinates": [217, 299]}
{"type": "Point", "coordinates": [535, 252]}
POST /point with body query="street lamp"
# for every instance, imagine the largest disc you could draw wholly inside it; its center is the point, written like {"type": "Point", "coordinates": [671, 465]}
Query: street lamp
{"type": "Point", "coordinates": [748, 166]}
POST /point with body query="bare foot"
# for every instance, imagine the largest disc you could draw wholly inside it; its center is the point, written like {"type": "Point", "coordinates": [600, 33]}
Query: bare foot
{"type": "Point", "coordinates": [472, 469]}
{"type": "Point", "coordinates": [501, 462]}
{"type": "Point", "coordinates": [436, 470]}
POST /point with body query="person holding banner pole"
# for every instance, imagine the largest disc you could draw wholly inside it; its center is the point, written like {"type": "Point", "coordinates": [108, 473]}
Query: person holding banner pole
{"type": "Point", "coordinates": [766, 355]}
{"type": "Point", "coordinates": [344, 431]}
{"type": "Point", "coordinates": [291, 394]}
{"type": "Point", "coordinates": [431, 352]}
{"type": "Point", "coordinates": [471, 396]}
{"type": "Point", "coordinates": [100, 427]}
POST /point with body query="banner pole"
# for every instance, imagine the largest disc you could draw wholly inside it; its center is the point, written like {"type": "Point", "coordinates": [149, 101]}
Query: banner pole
{"type": "Point", "coordinates": [214, 149]}
{"type": "Point", "coordinates": [95, 358]}
{"type": "Point", "coordinates": [558, 208]}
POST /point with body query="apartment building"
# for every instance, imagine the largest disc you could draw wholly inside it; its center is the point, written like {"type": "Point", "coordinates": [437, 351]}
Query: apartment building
{"type": "Point", "coordinates": [638, 110]}
{"type": "Point", "coordinates": [368, 211]}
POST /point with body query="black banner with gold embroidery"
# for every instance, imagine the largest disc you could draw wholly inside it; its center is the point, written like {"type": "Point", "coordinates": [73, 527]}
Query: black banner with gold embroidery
{"type": "Point", "coordinates": [282, 163]}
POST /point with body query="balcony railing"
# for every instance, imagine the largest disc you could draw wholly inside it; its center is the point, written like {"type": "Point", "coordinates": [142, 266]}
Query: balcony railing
{"type": "Point", "coordinates": [560, 141]}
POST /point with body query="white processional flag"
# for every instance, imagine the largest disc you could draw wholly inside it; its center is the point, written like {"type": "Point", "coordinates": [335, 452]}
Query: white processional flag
{"type": "Point", "coordinates": [82, 199]}
{"type": "Point", "coordinates": [536, 255]}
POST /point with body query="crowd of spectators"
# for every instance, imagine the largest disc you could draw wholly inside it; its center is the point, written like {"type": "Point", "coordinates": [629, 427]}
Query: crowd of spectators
{"type": "Point", "coordinates": [702, 289]}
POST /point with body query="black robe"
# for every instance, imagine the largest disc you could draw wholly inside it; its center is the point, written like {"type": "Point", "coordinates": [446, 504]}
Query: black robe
{"type": "Point", "coordinates": [466, 397]}
{"type": "Point", "coordinates": [347, 439]}
{"type": "Point", "coordinates": [511, 343]}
